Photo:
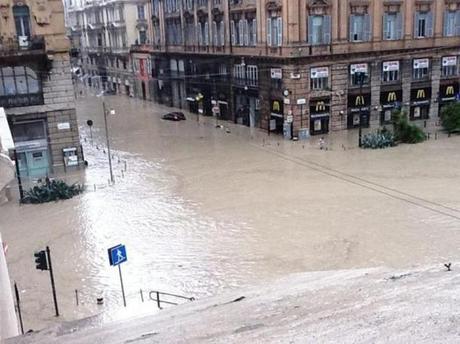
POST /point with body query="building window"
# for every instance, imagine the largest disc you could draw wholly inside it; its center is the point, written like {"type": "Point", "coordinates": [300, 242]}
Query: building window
{"type": "Point", "coordinates": [243, 31]}
{"type": "Point", "coordinates": [355, 71]}
{"type": "Point", "coordinates": [390, 71]}
{"type": "Point", "coordinates": [451, 23]}
{"type": "Point", "coordinates": [319, 78]}
{"type": "Point", "coordinates": [423, 24]}
{"type": "Point", "coordinates": [319, 30]}
{"type": "Point", "coordinates": [22, 20]}
{"type": "Point", "coordinates": [275, 31]}
{"type": "Point", "coordinates": [449, 66]}
{"type": "Point", "coordinates": [392, 26]}
{"type": "Point", "coordinates": [203, 33]}
{"type": "Point", "coordinates": [360, 28]}
{"type": "Point", "coordinates": [171, 6]}
{"type": "Point", "coordinates": [142, 37]}
{"type": "Point", "coordinates": [420, 69]}
{"type": "Point", "coordinates": [252, 75]}
{"type": "Point", "coordinates": [173, 31]}
{"type": "Point", "coordinates": [247, 73]}
{"type": "Point", "coordinates": [140, 12]}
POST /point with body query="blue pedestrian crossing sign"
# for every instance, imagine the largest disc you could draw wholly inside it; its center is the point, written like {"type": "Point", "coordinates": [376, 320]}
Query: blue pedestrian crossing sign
{"type": "Point", "coordinates": [117, 255]}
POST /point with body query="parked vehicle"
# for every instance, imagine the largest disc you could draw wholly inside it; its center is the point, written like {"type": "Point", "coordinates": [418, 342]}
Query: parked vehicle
{"type": "Point", "coordinates": [174, 116]}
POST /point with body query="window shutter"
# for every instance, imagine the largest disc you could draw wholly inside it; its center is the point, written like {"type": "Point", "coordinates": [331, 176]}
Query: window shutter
{"type": "Point", "coordinates": [385, 26]}
{"type": "Point", "coordinates": [327, 30]}
{"type": "Point", "coordinates": [367, 27]}
{"type": "Point", "coordinates": [214, 34]}
{"type": "Point", "coordinates": [232, 29]}
{"type": "Point", "coordinates": [445, 24]}
{"type": "Point", "coordinates": [280, 31]}
{"type": "Point", "coordinates": [222, 33]}
{"type": "Point", "coordinates": [269, 32]}
{"type": "Point", "coordinates": [254, 32]}
{"type": "Point", "coordinates": [206, 33]}
{"type": "Point", "coordinates": [351, 28]}
{"type": "Point", "coordinates": [310, 29]}
{"type": "Point", "coordinates": [416, 19]}
{"type": "Point", "coordinates": [457, 23]}
{"type": "Point", "coordinates": [246, 32]}
{"type": "Point", "coordinates": [399, 26]}
{"type": "Point", "coordinates": [429, 24]}
{"type": "Point", "coordinates": [241, 32]}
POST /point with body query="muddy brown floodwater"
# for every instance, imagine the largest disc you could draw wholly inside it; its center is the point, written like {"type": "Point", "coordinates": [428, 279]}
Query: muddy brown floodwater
{"type": "Point", "coordinates": [202, 209]}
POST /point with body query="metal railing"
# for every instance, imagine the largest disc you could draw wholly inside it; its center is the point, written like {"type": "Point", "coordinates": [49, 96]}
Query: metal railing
{"type": "Point", "coordinates": [155, 295]}
{"type": "Point", "coordinates": [10, 46]}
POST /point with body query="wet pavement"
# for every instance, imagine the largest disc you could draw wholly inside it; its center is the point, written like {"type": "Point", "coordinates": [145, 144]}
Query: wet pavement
{"type": "Point", "coordinates": [204, 209]}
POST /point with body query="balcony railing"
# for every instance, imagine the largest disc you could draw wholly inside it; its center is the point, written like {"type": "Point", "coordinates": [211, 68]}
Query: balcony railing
{"type": "Point", "coordinates": [12, 46]}
{"type": "Point", "coordinates": [19, 100]}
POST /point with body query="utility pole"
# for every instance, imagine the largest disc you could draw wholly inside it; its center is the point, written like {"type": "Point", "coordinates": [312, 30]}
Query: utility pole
{"type": "Point", "coordinates": [53, 287]}
{"type": "Point", "coordinates": [108, 141]}
{"type": "Point", "coordinates": [361, 77]}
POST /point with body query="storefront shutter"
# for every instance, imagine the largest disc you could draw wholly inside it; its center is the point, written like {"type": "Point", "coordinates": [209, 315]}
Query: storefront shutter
{"type": "Point", "coordinates": [269, 32]}
{"type": "Point", "coordinates": [399, 26]}
{"type": "Point", "coordinates": [327, 30]}
{"type": "Point", "coordinates": [280, 31]}
{"type": "Point", "coordinates": [429, 24]}
{"type": "Point", "coordinates": [367, 28]}
{"type": "Point", "coordinates": [385, 26]}
{"type": "Point", "coordinates": [254, 31]}
{"type": "Point", "coordinates": [214, 34]}
{"type": "Point", "coordinates": [416, 19]}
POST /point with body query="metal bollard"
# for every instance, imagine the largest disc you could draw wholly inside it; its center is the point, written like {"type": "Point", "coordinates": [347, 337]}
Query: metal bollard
{"type": "Point", "coordinates": [142, 295]}
{"type": "Point", "coordinates": [158, 300]}
{"type": "Point", "coordinates": [76, 297]}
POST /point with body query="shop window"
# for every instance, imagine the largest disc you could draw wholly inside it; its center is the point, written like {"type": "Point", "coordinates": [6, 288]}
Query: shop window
{"type": "Point", "coordinates": [420, 69]}
{"type": "Point", "coordinates": [420, 112]}
{"type": "Point", "coordinates": [390, 71]}
{"type": "Point", "coordinates": [28, 131]}
{"type": "Point", "coordinates": [449, 66]}
{"type": "Point", "coordinates": [18, 80]}
{"type": "Point", "coordinates": [319, 78]}
{"type": "Point", "coordinates": [356, 72]}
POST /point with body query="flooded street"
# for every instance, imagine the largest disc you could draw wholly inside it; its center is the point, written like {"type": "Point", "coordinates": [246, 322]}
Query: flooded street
{"type": "Point", "coordinates": [202, 210]}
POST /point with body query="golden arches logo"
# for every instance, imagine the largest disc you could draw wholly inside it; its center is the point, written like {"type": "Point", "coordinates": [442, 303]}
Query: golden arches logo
{"type": "Point", "coordinates": [392, 97]}
{"type": "Point", "coordinates": [450, 91]}
{"type": "Point", "coordinates": [320, 106]}
{"type": "Point", "coordinates": [359, 100]}
{"type": "Point", "coordinates": [421, 94]}
{"type": "Point", "coordinates": [276, 106]}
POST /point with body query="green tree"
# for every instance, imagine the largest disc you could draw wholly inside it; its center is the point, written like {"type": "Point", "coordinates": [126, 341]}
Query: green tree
{"type": "Point", "coordinates": [450, 117]}
{"type": "Point", "coordinates": [404, 131]}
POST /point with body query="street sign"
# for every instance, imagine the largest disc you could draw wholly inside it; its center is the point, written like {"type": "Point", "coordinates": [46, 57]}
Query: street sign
{"type": "Point", "coordinates": [117, 255]}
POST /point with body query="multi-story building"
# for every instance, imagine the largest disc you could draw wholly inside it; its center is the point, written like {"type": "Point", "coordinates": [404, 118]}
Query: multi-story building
{"type": "Point", "coordinates": [307, 65]}
{"type": "Point", "coordinates": [36, 88]}
{"type": "Point", "coordinates": [104, 31]}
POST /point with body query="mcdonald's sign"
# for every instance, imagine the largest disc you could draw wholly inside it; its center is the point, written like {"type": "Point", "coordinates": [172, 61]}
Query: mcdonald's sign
{"type": "Point", "coordinates": [448, 92]}
{"type": "Point", "coordinates": [277, 106]}
{"type": "Point", "coordinates": [359, 101]}
{"type": "Point", "coordinates": [389, 99]}
{"type": "Point", "coordinates": [319, 106]}
{"type": "Point", "coordinates": [421, 94]}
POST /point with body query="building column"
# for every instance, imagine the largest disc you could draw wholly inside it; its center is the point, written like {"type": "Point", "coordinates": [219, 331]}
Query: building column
{"type": "Point", "coordinates": [435, 85]}
{"type": "Point", "coordinates": [339, 82]}
{"type": "Point", "coordinates": [406, 78]}
{"type": "Point", "coordinates": [375, 95]}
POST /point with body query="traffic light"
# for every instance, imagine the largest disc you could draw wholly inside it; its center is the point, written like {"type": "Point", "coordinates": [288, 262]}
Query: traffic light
{"type": "Point", "coordinates": [40, 260]}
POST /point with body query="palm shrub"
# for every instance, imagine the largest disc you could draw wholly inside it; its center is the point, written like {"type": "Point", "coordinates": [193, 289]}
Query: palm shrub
{"type": "Point", "coordinates": [450, 117]}
{"type": "Point", "coordinates": [379, 139]}
{"type": "Point", "coordinates": [51, 190]}
{"type": "Point", "coordinates": [404, 131]}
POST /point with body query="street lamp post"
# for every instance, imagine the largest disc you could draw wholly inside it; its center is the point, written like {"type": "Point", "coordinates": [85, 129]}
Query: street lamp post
{"type": "Point", "coordinates": [111, 112]}
{"type": "Point", "coordinates": [361, 76]}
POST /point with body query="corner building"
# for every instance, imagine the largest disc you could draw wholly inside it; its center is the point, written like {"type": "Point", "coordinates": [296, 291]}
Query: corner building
{"type": "Point", "coordinates": [36, 87]}
{"type": "Point", "coordinates": [296, 64]}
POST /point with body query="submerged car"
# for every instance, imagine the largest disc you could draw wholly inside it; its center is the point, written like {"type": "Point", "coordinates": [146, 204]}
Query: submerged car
{"type": "Point", "coordinates": [174, 116]}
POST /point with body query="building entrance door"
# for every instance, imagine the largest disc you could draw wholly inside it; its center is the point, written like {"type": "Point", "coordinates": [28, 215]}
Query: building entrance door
{"type": "Point", "coordinates": [33, 163]}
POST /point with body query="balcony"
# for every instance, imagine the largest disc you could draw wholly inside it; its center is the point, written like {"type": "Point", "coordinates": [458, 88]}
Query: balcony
{"type": "Point", "coordinates": [22, 45]}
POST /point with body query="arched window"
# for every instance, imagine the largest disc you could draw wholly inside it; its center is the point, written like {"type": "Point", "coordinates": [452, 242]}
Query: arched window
{"type": "Point", "coordinates": [18, 80]}
{"type": "Point", "coordinates": [22, 20]}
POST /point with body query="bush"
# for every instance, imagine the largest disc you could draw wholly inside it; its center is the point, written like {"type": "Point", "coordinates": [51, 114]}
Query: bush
{"type": "Point", "coordinates": [51, 190]}
{"type": "Point", "coordinates": [404, 131]}
{"type": "Point", "coordinates": [450, 117]}
{"type": "Point", "coordinates": [379, 139]}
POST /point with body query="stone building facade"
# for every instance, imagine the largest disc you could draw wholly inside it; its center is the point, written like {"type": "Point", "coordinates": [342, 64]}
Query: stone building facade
{"type": "Point", "coordinates": [104, 31]}
{"type": "Point", "coordinates": [306, 66]}
{"type": "Point", "coordinates": [36, 87]}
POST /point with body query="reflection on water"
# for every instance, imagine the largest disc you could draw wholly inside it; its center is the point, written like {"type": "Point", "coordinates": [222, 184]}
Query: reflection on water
{"type": "Point", "coordinates": [201, 210]}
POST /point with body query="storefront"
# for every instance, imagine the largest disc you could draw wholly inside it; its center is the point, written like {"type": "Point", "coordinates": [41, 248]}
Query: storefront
{"type": "Point", "coordinates": [358, 110]}
{"type": "Point", "coordinates": [276, 116]}
{"type": "Point", "coordinates": [247, 107]}
{"type": "Point", "coordinates": [420, 103]}
{"type": "Point", "coordinates": [319, 116]}
{"type": "Point", "coordinates": [389, 101]}
{"type": "Point", "coordinates": [448, 93]}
